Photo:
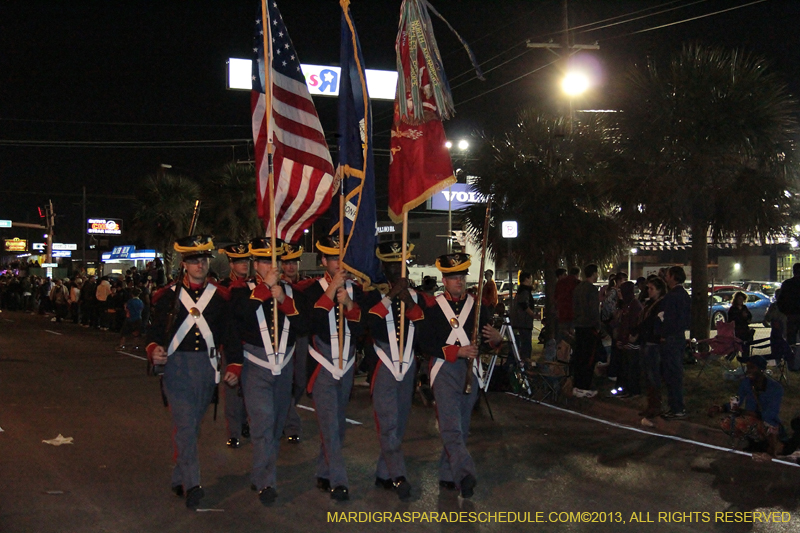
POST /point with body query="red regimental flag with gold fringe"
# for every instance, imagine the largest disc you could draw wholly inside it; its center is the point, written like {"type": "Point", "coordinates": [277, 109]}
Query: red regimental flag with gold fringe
{"type": "Point", "coordinates": [420, 163]}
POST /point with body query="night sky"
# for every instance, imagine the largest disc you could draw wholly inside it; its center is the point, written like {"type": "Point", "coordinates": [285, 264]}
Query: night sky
{"type": "Point", "coordinates": [154, 71]}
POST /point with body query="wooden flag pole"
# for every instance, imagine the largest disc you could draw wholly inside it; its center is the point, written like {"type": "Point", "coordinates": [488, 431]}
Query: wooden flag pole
{"type": "Point", "coordinates": [266, 31]}
{"type": "Point", "coordinates": [341, 251]}
{"type": "Point", "coordinates": [403, 246]}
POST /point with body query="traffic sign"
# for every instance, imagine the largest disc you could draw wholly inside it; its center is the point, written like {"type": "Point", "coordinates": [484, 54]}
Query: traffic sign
{"type": "Point", "coordinates": [5, 223]}
{"type": "Point", "coordinates": [509, 229]}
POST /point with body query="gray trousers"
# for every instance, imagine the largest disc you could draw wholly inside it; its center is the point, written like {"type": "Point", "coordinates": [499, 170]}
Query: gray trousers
{"type": "Point", "coordinates": [294, 426]}
{"type": "Point", "coordinates": [454, 412]}
{"type": "Point", "coordinates": [391, 401]}
{"type": "Point", "coordinates": [330, 402]}
{"type": "Point", "coordinates": [189, 385]}
{"type": "Point", "coordinates": [235, 413]}
{"type": "Point", "coordinates": [267, 398]}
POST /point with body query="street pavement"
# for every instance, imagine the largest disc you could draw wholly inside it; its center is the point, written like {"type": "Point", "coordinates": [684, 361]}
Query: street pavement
{"type": "Point", "coordinates": [569, 472]}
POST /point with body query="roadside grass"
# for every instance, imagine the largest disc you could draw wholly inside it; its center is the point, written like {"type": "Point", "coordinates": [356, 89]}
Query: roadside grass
{"type": "Point", "coordinates": [702, 390]}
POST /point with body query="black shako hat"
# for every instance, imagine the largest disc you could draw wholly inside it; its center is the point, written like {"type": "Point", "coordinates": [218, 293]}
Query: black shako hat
{"type": "Point", "coordinates": [390, 252]}
{"type": "Point", "coordinates": [194, 246]}
{"type": "Point", "coordinates": [291, 252]}
{"type": "Point", "coordinates": [239, 251]}
{"type": "Point", "coordinates": [453, 264]}
{"type": "Point", "coordinates": [329, 245]}
{"type": "Point", "coordinates": [262, 247]}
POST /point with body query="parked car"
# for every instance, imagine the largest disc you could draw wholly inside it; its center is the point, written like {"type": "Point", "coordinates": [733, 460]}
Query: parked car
{"type": "Point", "coordinates": [717, 288]}
{"type": "Point", "coordinates": [765, 287]}
{"type": "Point", "coordinates": [720, 302]}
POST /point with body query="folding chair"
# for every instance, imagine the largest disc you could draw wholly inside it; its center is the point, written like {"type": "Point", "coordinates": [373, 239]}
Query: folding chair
{"type": "Point", "coordinates": [548, 378]}
{"type": "Point", "coordinates": [775, 348]}
{"type": "Point", "coordinates": [724, 347]}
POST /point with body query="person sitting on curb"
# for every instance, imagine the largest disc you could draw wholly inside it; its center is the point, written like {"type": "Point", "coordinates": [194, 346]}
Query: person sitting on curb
{"type": "Point", "coordinates": [753, 412]}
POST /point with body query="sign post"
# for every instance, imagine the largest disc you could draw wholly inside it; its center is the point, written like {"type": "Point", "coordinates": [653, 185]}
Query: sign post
{"type": "Point", "coordinates": [510, 232]}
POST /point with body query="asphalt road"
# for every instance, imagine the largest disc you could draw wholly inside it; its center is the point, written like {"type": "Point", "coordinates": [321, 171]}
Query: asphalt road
{"type": "Point", "coordinates": [63, 379]}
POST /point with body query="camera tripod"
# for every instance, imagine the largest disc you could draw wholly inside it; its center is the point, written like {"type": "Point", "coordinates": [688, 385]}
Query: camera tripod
{"type": "Point", "coordinates": [506, 331]}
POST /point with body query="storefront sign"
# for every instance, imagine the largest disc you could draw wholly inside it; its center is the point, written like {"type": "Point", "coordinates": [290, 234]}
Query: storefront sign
{"type": "Point", "coordinates": [104, 226]}
{"type": "Point", "coordinates": [16, 245]}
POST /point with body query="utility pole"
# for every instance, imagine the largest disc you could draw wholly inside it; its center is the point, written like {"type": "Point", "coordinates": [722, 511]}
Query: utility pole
{"type": "Point", "coordinates": [51, 221]}
{"type": "Point", "coordinates": [83, 231]}
{"type": "Point", "coordinates": [571, 49]}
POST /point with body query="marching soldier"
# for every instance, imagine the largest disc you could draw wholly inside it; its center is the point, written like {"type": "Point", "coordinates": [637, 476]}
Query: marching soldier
{"type": "Point", "coordinates": [235, 412]}
{"type": "Point", "coordinates": [392, 383]}
{"type": "Point", "coordinates": [190, 322]}
{"type": "Point", "coordinates": [332, 376]}
{"type": "Point", "coordinates": [290, 266]}
{"type": "Point", "coordinates": [449, 320]}
{"type": "Point", "coordinates": [268, 359]}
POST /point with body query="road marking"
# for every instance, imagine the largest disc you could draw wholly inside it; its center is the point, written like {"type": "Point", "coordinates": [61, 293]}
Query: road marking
{"type": "Point", "coordinates": [210, 510]}
{"type": "Point", "coordinates": [7, 320]}
{"type": "Point", "coordinates": [652, 434]}
{"type": "Point", "coordinates": [53, 332]}
{"type": "Point", "coordinates": [132, 355]}
{"type": "Point", "coordinates": [354, 422]}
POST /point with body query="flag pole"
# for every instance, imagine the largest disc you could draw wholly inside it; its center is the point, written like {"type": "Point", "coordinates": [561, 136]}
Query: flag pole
{"type": "Point", "coordinates": [341, 259]}
{"type": "Point", "coordinates": [403, 246]}
{"type": "Point", "coordinates": [266, 27]}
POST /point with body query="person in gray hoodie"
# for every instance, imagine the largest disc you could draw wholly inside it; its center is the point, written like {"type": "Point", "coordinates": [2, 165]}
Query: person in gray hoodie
{"type": "Point", "coordinates": [586, 320]}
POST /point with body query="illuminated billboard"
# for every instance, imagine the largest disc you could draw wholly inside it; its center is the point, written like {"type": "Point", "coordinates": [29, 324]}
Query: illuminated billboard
{"type": "Point", "coordinates": [104, 226]}
{"type": "Point", "coordinates": [16, 245]}
{"type": "Point", "coordinates": [320, 79]}
{"type": "Point", "coordinates": [458, 196]}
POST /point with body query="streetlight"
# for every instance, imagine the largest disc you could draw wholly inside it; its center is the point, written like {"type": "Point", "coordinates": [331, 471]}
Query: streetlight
{"type": "Point", "coordinates": [631, 253]}
{"type": "Point", "coordinates": [574, 84]}
{"type": "Point", "coordinates": [463, 145]}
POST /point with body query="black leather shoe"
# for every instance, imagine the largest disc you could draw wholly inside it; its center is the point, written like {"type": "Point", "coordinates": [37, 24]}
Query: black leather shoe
{"type": "Point", "coordinates": [267, 496]}
{"type": "Point", "coordinates": [178, 490]}
{"type": "Point", "coordinates": [233, 443]}
{"type": "Point", "coordinates": [293, 438]}
{"type": "Point", "coordinates": [340, 494]}
{"type": "Point", "coordinates": [385, 483]}
{"type": "Point", "coordinates": [468, 486]}
{"type": "Point", "coordinates": [246, 430]}
{"type": "Point", "coordinates": [323, 484]}
{"type": "Point", "coordinates": [193, 497]}
{"type": "Point", "coordinates": [402, 487]}
{"type": "Point", "coordinates": [449, 485]}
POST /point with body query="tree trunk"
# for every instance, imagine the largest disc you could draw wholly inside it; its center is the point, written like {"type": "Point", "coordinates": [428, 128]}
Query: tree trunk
{"type": "Point", "coordinates": [699, 328]}
{"type": "Point", "coordinates": [551, 264]}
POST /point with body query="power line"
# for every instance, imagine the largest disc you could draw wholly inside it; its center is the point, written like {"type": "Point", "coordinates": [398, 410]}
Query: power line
{"type": "Point", "coordinates": [698, 17]}
{"type": "Point", "coordinates": [145, 124]}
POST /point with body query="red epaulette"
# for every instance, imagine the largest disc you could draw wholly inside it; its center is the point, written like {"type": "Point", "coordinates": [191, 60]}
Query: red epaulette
{"type": "Point", "coordinates": [223, 291]}
{"type": "Point", "coordinates": [160, 292]}
{"type": "Point", "coordinates": [304, 284]}
{"type": "Point", "coordinates": [430, 301]}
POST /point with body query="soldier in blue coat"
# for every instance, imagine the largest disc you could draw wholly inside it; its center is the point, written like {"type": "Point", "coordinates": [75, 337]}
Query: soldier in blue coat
{"type": "Point", "coordinates": [392, 381]}
{"type": "Point", "coordinates": [267, 348]}
{"type": "Point", "coordinates": [190, 323]}
{"type": "Point", "coordinates": [331, 362]}
{"type": "Point", "coordinates": [235, 413]}
{"type": "Point", "coordinates": [446, 331]}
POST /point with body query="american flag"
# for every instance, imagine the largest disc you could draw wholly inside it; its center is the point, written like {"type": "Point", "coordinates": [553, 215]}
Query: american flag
{"type": "Point", "coordinates": [303, 169]}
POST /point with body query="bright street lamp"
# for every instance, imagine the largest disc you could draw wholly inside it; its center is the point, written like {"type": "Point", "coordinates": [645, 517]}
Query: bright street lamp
{"type": "Point", "coordinates": [575, 83]}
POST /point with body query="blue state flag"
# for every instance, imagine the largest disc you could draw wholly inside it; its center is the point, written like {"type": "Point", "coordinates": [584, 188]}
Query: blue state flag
{"type": "Point", "coordinates": [356, 162]}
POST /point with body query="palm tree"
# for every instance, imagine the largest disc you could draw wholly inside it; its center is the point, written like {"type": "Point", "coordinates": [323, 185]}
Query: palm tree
{"type": "Point", "coordinates": [229, 203]}
{"type": "Point", "coordinates": [706, 148]}
{"type": "Point", "coordinates": [543, 173]}
{"type": "Point", "coordinates": [163, 212]}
